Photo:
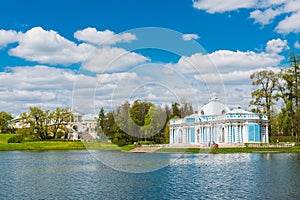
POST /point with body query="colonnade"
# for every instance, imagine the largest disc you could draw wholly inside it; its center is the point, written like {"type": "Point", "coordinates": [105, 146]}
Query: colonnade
{"type": "Point", "coordinates": [229, 132]}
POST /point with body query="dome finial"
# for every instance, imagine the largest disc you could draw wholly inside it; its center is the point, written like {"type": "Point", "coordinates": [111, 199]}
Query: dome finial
{"type": "Point", "coordinates": [214, 97]}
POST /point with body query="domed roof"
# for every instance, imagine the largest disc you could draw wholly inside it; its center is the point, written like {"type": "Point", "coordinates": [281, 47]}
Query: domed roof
{"type": "Point", "coordinates": [214, 107]}
{"type": "Point", "coordinates": [239, 111]}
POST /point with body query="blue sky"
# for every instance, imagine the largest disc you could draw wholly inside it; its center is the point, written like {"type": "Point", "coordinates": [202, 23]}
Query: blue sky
{"type": "Point", "coordinates": [53, 53]}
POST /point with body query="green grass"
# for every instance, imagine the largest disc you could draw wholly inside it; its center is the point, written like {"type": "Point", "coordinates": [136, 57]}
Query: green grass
{"type": "Point", "coordinates": [5, 137]}
{"type": "Point", "coordinates": [52, 145]}
{"type": "Point", "coordinates": [128, 147]}
{"type": "Point", "coordinates": [228, 150]}
{"type": "Point", "coordinates": [77, 145]}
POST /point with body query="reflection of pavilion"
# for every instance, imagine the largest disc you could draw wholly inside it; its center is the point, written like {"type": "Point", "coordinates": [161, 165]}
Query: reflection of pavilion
{"type": "Point", "coordinates": [215, 123]}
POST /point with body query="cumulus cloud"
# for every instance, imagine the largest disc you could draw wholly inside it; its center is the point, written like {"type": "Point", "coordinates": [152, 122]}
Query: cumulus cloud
{"type": "Point", "coordinates": [297, 45]}
{"type": "Point", "coordinates": [289, 24]}
{"type": "Point", "coordinates": [107, 37]}
{"type": "Point", "coordinates": [236, 77]}
{"type": "Point", "coordinates": [187, 37]}
{"type": "Point", "coordinates": [7, 37]}
{"type": "Point", "coordinates": [266, 16]}
{"type": "Point", "coordinates": [276, 46]}
{"type": "Point", "coordinates": [265, 11]}
{"type": "Point", "coordinates": [112, 59]}
{"type": "Point", "coordinates": [225, 61]}
{"type": "Point", "coordinates": [21, 87]}
{"type": "Point", "coordinates": [220, 6]}
{"type": "Point", "coordinates": [48, 47]}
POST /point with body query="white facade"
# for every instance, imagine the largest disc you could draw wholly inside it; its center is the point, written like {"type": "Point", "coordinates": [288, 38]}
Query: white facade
{"type": "Point", "coordinates": [82, 127]}
{"type": "Point", "coordinates": [215, 123]}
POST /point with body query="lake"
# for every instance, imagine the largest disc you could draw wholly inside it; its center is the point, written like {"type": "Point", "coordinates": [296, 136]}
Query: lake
{"type": "Point", "coordinates": [116, 175]}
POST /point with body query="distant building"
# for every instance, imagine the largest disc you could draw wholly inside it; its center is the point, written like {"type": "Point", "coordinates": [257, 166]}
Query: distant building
{"type": "Point", "coordinates": [82, 126]}
{"type": "Point", "coordinates": [216, 123]}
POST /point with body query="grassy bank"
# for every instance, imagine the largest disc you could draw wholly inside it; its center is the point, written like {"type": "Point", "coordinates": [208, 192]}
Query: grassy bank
{"type": "Point", "coordinates": [78, 145]}
{"type": "Point", "coordinates": [52, 145]}
{"type": "Point", "coordinates": [228, 150]}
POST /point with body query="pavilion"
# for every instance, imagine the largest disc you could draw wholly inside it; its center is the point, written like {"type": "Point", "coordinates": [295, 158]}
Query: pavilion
{"type": "Point", "coordinates": [216, 123]}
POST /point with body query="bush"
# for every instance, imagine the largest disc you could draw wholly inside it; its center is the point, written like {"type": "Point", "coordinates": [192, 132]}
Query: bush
{"type": "Point", "coordinates": [24, 131]}
{"type": "Point", "coordinates": [273, 139]}
{"type": "Point", "coordinates": [121, 142]}
{"type": "Point", "coordinates": [146, 142]}
{"type": "Point", "coordinates": [16, 139]}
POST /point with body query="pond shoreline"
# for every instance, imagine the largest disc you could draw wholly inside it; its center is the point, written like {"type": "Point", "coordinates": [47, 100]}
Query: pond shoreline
{"type": "Point", "coordinates": [77, 145]}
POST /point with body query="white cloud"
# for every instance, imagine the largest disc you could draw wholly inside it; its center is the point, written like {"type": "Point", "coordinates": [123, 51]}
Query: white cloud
{"type": "Point", "coordinates": [107, 37]}
{"type": "Point", "coordinates": [289, 24]}
{"type": "Point", "coordinates": [265, 11]}
{"type": "Point", "coordinates": [276, 46]}
{"type": "Point", "coordinates": [297, 45]}
{"type": "Point", "coordinates": [112, 59]}
{"type": "Point", "coordinates": [236, 77]}
{"type": "Point", "coordinates": [37, 77]}
{"type": "Point", "coordinates": [226, 61]}
{"type": "Point", "coordinates": [48, 47]}
{"type": "Point", "coordinates": [220, 6]}
{"type": "Point", "coordinates": [7, 37]}
{"type": "Point", "coordinates": [187, 37]}
{"type": "Point", "coordinates": [266, 16]}
{"type": "Point", "coordinates": [292, 6]}
{"type": "Point", "coordinates": [21, 87]}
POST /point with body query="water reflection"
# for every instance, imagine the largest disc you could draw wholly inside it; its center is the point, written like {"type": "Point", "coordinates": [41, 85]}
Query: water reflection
{"type": "Point", "coordinates": [80, 175]}
{"type": "Point", "coordinates": [135, 162]}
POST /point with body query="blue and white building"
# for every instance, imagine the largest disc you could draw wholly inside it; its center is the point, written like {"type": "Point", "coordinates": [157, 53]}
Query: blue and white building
{"type": "Point", "coordinates": [216, 123]}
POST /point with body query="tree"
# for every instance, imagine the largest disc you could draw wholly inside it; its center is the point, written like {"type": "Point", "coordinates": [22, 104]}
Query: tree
{"type": "Point", "coordinates": [138, 111]}
{"type": "Point", "coordinates": [264, 94]}
{"type": "Point", "coordinates": [109, 125]}
{"type": "Point", "coordinates": [38, 120]}
{"type": "Point", "coordinates": [100, 121]}
{"type": "Point", "coordinates": [289, 91]}
{"type": "Point", "coordinates": [126, 127]}
{"type": "Point", "coordinates": [186, 109]}
{"type": "Point", "coordinates": [5, 122]}
{"type": "Point", "coordinates": [175, 110]}
{"type": "Point", "coordinates": [154, 122]}
{"type": "Point", "coordinates": [59, 118]}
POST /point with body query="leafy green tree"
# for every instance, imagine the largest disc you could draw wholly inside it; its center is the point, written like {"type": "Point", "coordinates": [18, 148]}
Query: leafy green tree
{"type": "Point", "coordinates": [186, 109]}
{"type": "Point", "coordinates": [5, 122]}
{"type": "Point", "coordinates": [138, 111]}
{"type": "Point", "coordinates": [154, 122]}
{"type": "Point", "coordinates": [100, 120]}
{"type": "Point", "coordinates": [59, 118]}
{"type": "Point", "coordinates": [264, 95]}
{"type": "Point", "coordinates": [175, 110]}
{"type": "Point", "coordinates": [109, 125]}
{"type": "Point", "coordinates": [125, 125]}
{"type": "Point", "coordinates": [288, 87]}
{"type": "Point", "coordinates": [38, 120]}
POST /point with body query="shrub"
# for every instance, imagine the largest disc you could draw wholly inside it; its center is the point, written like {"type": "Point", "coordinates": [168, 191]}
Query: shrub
{"type": "Point", "coordinates": [146, 142]}
{"type": "Point", "coordinates": [16, 139]}
{"type": "Point", "coordinates": [273, 139]}
{"type": "Point", "coordinates": [24, 131]}
{"type": "Point", "coordinates": [121, 142]}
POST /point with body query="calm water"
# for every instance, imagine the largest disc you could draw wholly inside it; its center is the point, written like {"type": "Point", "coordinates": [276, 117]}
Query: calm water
{"type": "Point", "coordinates": [81, 175]}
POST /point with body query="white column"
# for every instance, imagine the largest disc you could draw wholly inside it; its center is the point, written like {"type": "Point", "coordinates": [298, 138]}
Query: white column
{"type": "Point", "coordinates": [246, 139]}
{"type": "Point", "coordinates": [196, 134]}
{"type": "Point", "coordinates": [237, 133]}
{"type": "Point", "coordinates": [267, 133]}
{"type": "Point", "coordinates": [171, 135]}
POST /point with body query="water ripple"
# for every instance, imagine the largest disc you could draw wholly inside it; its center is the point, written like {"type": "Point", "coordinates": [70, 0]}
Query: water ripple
{"type": "Point", "coordinates": [78, 175]}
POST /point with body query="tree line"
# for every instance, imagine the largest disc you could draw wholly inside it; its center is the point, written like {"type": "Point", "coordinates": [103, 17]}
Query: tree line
{"type": "Point", "coordinates": [278, 95]}
{"type": "Point", "coordinates": [141, 121]}
{"type": "Point", "coordinates": [38, 123]}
